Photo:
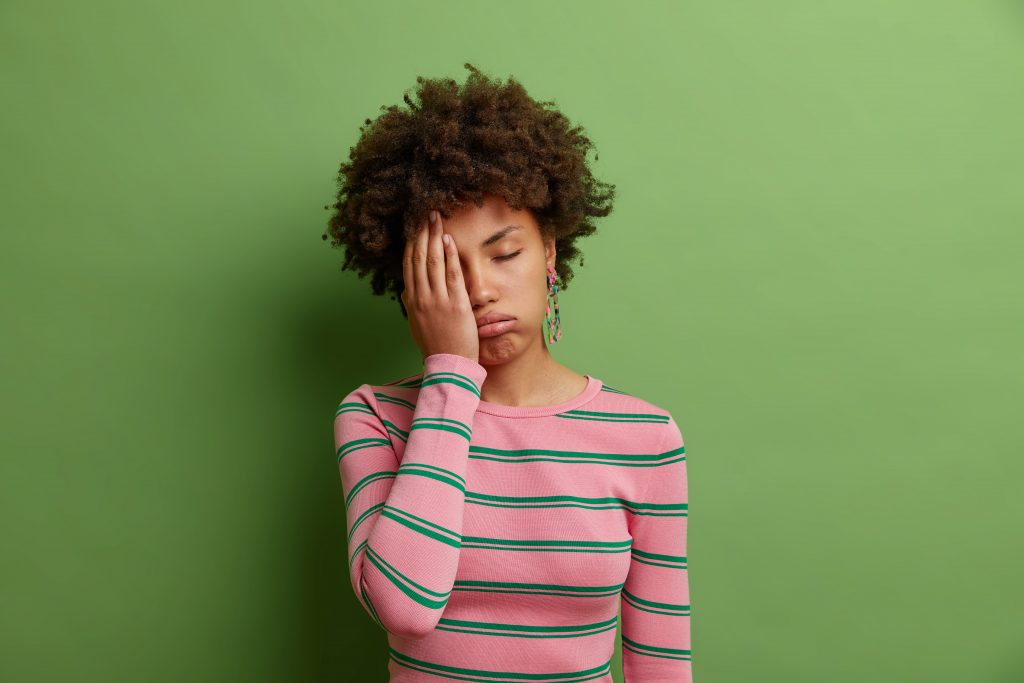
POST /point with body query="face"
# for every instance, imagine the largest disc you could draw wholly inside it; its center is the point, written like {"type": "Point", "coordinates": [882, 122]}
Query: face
{"type": "Point", "coordinates": [505, 270]}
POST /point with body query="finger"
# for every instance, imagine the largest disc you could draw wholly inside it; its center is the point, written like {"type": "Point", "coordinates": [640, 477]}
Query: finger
{"type": "Point", "coordinates": [419, 257]}
{"type": "Point", "coordinates": [410, 284]}
{"type": "Point", "coordinates": [435, 259]}
{"type": "Point", "coordinates": [453, 270]}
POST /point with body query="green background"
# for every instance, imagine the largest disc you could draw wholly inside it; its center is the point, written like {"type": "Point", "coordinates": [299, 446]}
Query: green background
{"type": "Point", "coordinates": [813, 262]}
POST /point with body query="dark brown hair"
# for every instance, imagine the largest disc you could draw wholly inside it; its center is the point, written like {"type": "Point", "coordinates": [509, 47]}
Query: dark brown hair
{"type": "Point", "coordinates": [452, 145]}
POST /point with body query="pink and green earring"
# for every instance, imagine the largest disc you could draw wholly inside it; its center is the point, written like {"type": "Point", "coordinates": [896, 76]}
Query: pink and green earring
{"type": "Point", "coordinates": [553, 324]}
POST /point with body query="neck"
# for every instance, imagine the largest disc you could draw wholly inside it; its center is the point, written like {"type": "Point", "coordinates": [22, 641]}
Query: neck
{"type": "Point", "coordinates": [531, 378]}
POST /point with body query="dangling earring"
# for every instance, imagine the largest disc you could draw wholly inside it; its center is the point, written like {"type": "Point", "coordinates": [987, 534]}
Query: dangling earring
{"type": "Point", "coordinates": [553, 325]}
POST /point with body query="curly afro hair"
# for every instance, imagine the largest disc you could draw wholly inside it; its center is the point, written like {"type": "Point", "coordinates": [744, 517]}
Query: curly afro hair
{"type": "Point", "coordinates": [453, 145]}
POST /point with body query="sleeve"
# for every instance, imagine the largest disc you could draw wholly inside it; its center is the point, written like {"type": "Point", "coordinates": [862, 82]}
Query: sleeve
{"type": "Point", "coordinates": [655, 600]}
{"type": "Point", "coordinates": [404, 520]}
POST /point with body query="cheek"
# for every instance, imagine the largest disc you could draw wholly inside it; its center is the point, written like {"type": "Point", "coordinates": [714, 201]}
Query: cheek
{"type": "Point", "coordinates": [531, 267]}
{"type": "Point", "coordinates": [531, 278]}
{"type": "Point", "coordinates": [523, 284]}
{"type": "Point", "coordinates": [516, 271]}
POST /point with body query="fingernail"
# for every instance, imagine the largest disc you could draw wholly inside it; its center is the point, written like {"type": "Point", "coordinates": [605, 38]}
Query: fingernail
{"type": "Point", "coordinates": [433, 217]}
{"type": "Point", "coordinates": [445, 238]}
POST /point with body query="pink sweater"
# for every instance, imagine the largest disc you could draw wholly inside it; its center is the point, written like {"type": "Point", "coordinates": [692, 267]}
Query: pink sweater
{"type": "Point", "coordinates": [498, 543]}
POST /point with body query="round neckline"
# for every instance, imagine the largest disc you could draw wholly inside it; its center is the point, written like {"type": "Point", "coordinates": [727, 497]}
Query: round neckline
{"type": "Point", "coordinates": [591, 390]}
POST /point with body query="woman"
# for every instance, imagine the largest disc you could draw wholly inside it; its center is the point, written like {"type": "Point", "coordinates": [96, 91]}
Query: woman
{"type": "Point", "coordinates": [502, 509]}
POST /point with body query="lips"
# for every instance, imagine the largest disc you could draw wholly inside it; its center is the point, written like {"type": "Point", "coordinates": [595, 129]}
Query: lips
{"type": "Point", "coordinates": [494, 329]}
{"type": "Point", "coordinates": [493, 318]}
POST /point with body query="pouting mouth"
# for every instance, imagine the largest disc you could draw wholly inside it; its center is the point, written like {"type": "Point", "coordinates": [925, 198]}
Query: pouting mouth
{"type": "Point", "coordinates": [493, 318]}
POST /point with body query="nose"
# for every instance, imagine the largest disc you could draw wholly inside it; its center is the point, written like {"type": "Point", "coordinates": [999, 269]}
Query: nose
{"type": "Point", "coordinates": [478, 287]}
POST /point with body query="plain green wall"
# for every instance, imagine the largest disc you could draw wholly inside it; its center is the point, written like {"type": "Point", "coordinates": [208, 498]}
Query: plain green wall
{"type": "Point", "coordinates": [814, 262]}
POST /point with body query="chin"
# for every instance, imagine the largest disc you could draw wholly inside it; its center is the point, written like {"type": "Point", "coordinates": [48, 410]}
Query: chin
{"type": "Point", "coordinates": [498, 349]}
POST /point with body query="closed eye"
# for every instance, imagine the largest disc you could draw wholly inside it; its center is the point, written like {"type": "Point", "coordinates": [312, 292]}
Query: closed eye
{"type": "Point", "coordinates": [508, 256]}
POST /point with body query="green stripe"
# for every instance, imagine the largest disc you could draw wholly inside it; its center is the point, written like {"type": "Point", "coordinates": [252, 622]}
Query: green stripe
{"type": "Point", "coordinates": [657, 560]}
{"type": "Point", "coordinates": [358, 444]}
{"type": "Point", "coordinates": [526, 630]}
{"type": "Point", "coordinates": [602, 503]}
{"type": "Point", "coordinates": [601, 416]}
{"type": "Point", "coordinates": [395, 429]}
{"type": "Point", "coordinates": [551, 455]}
{"type": "Point", "coordinates": [362, 518]}
{"type": "Point", "coordinates": [450, 378]}
{"type": "Point", "coordinates": [432, 472]}
{"type": "Point", "coordinates": [553, 589]}
{"type": "Point", "coordinates": [567, 415]}
{"type": "Point", "coordinates": [463, 674]}
{"type": "Point", "coordinates": [527, 502]}
{"type": "Point", "coordinates": [547, 545]}
{"type": "Point", "coordinates": [666, 608]}
{"type": "Point", "coordinates": [387, 398]}
{"type": "Point", "coordinates": [651, 651]}
{"type": "Point", "coordinates": [422, 526]}
{"type": "Point", "coordinates": [369, 605]}
{"type": "Point", "coordinates": [355, 554]}
{"type": "Point", "coordinates": [366, 481]}
{"type": "Point", "coordinates": [353, 407]}
{"type": "Point", "coordinates": [405, 584]}
{"type": "Point", "coordinates": [455, 426]}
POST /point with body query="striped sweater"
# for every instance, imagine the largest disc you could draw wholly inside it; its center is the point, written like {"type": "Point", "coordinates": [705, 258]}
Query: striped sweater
{"type": "Point", "coordinates": [502, 543]}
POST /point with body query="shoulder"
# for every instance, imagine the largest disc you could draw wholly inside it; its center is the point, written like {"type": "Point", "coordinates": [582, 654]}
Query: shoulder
{"type": "Point", "coordinates": [400, 392]}
{"type": "Point", "coordinates": [623, 404]}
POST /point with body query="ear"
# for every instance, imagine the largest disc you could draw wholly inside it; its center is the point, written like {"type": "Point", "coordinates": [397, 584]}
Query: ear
{"type": "Point", "coordinates": [549, 251]}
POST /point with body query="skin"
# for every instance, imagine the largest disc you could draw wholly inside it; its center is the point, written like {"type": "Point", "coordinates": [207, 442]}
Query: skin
{"type": "Point", "coordinates": [447, 288]}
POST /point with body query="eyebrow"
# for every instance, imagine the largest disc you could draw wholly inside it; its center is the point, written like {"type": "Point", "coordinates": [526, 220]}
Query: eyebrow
{"type": "Point", "coordinates": [498, 235]}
